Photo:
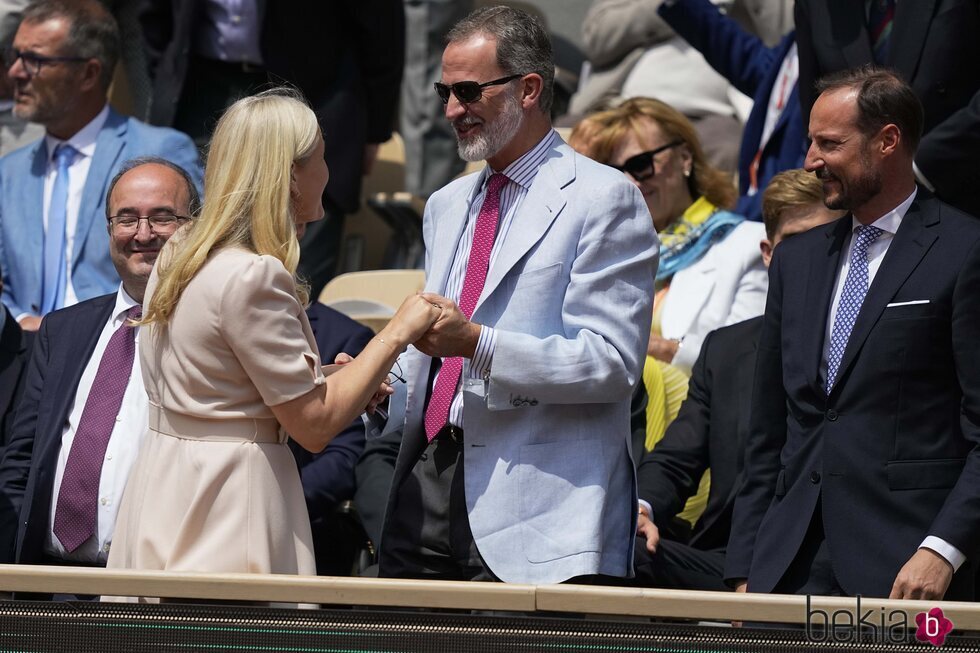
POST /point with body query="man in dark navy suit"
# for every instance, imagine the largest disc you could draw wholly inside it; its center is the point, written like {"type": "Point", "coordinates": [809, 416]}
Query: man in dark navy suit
{"type": "Point", "coordinates": [710, 430]}
{"type": "Point", "coordinates": [146, 203]}
{"type": "Point", "coordinates": [862, 466]}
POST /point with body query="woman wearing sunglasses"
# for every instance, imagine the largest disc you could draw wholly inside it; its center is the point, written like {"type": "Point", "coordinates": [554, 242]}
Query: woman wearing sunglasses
{"type": "Point", "coordinates": [711, 272]}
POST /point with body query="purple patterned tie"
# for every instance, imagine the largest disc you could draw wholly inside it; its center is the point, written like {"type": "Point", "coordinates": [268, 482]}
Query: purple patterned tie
{"type": "Point", "coordinates": [851, 300]}
{"type": "Point", "coordinates": [75, 518]}
{"type": "Point", "coordinates": [476, 276]}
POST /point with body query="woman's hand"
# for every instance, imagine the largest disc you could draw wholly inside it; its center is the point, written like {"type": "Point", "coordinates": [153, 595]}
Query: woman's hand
{"type": "Point", "coordinates": [380, 395]}
{"type": "Point", "coordinates": [414, 317]}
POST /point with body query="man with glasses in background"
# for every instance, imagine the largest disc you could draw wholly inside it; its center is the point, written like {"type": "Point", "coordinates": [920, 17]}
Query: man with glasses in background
{"type": "Point", "coordinates": [543, 266]}
{"type": "Point", "coordinates": [53, 245]}
{"type": "Point", "coordinates": [83, 412]}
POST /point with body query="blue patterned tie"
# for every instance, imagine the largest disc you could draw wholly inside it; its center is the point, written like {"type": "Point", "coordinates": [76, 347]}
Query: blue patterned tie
{"type": "Point", "coordinates": [55, 239]}
{"type": "Point", "coordinates": [851, 299]}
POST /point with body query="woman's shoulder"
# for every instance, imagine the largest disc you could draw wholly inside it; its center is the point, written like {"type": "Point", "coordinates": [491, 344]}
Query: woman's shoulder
{"type": "Point", "coordinates": [238, 261]}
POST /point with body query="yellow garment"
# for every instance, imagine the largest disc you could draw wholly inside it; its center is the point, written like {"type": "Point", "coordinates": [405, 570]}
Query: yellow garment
{"type": "Point", "coordinates": [666, 388]}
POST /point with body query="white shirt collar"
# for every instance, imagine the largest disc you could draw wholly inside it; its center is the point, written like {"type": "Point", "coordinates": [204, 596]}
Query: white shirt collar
{"type": "Point", "coordinates": [891, 220]}
{"type": "Point", "coordinates": [123, 303]}
{"type": "Point", "coordinates": [84, 139]}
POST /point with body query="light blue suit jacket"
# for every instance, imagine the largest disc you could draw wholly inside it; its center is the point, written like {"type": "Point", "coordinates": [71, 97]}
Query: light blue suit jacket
{"type": "Point", "coordinates": [22, 201]}
{"type": "Point", "coordinates": [550, 489]}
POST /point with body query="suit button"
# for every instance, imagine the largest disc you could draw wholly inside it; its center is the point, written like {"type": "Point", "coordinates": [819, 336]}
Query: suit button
{"type": "Point", "coordinates": [832, 415]}
{"type": "Point", "coordinates": [814, 477]}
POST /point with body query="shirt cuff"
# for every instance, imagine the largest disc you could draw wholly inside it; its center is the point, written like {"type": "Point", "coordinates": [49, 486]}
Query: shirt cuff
{"type": "Point", "coordinates": [483, 356]}
{"type": "Point", "coordinates": [950, 553]}
{"type": "Point", "coordinates": [646, 504]}
{"type": "Point", "coordinates": [921, 178]}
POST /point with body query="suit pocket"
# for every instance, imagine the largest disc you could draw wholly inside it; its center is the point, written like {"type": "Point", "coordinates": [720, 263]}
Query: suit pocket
{"type": "Point", "coordinates": [908, 311]}
{"type": "Point", "coordinates": [561, 498]}
{"type": "Point", "coordinates": [923, 474]}
{"type": "Point", "coordinates": [538, 276]}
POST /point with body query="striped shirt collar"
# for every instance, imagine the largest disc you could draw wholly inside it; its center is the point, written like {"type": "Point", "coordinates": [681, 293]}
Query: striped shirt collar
{"type": "Point", "coordinates": [524, 169]}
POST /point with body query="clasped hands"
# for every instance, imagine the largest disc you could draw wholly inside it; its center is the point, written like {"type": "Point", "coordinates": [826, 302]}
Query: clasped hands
{"type": "Point", "coordinates": [439, 334]}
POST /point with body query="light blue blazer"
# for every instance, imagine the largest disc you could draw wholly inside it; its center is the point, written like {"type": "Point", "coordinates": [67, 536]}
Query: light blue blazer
{"type": "Point", "coordinates": [550, 489]}
{"type": "Point", "coordinates": [22, 201]}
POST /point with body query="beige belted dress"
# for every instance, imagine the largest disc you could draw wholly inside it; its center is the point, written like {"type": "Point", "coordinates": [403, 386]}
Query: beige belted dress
{"type": "Point", "coordinates": [215, 488]}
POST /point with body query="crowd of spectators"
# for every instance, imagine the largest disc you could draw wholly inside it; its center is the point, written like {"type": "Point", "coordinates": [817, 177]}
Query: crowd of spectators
{"type": "Point", "coordinates": [627, 404]}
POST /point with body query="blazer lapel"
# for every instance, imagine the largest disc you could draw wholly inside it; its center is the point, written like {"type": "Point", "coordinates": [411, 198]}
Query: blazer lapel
{"type": "Point", "coordinates": [108, 147]}
{"type": "Point", "coordinates": [32, 203]}
{"type": "Point", "coordinates": [819, 293]}
{"type": "Point", "coordinates": [70, 363]}
{"type": "Point", "coordinates": [543, 203]}
{"type": "Point", "coordinates": [449, 229]}
{"type": "Point", "coordinates": [909, 30]}
{"type": "Point", "coordinates": [911, 243]}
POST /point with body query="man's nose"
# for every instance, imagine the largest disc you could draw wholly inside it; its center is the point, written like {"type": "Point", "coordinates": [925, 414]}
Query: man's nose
{"type": "Point", "coordinates": [454, 108]}
{"type": "Point", "coordinates": [812, 161]}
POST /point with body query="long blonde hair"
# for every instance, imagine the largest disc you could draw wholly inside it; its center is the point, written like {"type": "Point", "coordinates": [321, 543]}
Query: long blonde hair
{"type": "Point", "coordinates": [247, 193]}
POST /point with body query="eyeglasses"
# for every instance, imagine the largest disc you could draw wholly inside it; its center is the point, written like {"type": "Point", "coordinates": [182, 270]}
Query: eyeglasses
{"type": "Point", "coordinates": [164, 223]}
{"type": "Point", "coordinates": [640, 166]}
{"type": "Point", "coordinates": [33, 62]}
{"type": "Point", "coordinates": [396, 374]}
{"type": "Point", "coordinates": [467, 92]}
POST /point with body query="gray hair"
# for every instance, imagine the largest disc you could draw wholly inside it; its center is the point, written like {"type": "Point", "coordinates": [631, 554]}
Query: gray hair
{"type": "Point", "coordinates": [92, 31]}
{"type": "Point", "coordinates": [193, 197]}
{"type": "Point", "coordinates": [523, 44]}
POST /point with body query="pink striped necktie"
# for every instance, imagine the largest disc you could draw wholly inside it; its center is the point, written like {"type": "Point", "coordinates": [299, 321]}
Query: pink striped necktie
{"type": "Point", "coordinates": [437, 414]}
{"type": "Point", "coordinates": [76, 517]}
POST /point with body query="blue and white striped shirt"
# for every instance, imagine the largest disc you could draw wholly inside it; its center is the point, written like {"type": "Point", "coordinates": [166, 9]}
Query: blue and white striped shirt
{"type": "Point", "coordinates": [521, 174]}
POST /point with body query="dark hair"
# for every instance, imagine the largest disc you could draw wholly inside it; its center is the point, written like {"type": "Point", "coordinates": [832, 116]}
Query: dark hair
{"type": "Point", "coordinates": [883, 98]}
{"type": "Point", "coordinates": [193, 197]}
{"type": "Point", "coordinates": [92, 31]}
{"type": "Point", "coordinates": [523, 44]}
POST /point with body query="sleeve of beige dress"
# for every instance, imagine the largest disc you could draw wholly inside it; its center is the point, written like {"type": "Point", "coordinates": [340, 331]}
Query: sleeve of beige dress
{"type": "Point", "coordinates": [265, 325]}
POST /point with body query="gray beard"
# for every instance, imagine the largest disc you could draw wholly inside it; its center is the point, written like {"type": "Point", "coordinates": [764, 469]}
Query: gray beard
{"type": "Point", "coordinates": [495, 135]}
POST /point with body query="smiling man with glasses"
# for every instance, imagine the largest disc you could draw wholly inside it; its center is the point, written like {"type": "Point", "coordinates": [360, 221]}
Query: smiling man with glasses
{"type": "Point", "coordinates": [84, 369]}
{"type": "Point", "coordinates": [543, 265]}
{"type": "Point", "coordinates": [53, 246]}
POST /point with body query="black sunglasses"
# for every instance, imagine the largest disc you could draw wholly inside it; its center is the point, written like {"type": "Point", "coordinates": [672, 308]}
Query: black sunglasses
{"type": "Point", "coordinates": [467, 92]}
{"type": "Point", "coordinates": [640, 166]}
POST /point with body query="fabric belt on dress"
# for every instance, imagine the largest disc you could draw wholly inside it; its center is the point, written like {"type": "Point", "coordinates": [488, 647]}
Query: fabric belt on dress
{"type": "Point", "coordinates": [189, 427]}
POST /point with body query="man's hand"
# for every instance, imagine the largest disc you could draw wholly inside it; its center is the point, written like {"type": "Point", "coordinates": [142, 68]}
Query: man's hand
{"type": "Point", "coordinates": [925, 576]}
{"type": "Point", "coordinates": [662, 349]}
{"type": "Point", "coordinates": [649, 530]}
{"type": "Point", "coordinates": [451, 335]}
{"type": "Point", "coordinates": [30, 322]}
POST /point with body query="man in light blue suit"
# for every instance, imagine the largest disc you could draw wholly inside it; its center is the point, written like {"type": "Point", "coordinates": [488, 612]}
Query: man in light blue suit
{"type": "Point", "coordinates": [515, 461]}
{"type": "Point", "coordinates": [54, 243]}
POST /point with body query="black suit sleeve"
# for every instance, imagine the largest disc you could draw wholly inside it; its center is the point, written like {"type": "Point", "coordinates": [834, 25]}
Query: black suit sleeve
{"type": "Point", "coordinates": [947, 157]}
{"type": "Point", "coordinates": [958, 522]}
{"type": "Point", "coordinates": [374, 473]}
{"type": "Point", "coordinates": [379, 38]}
{"type": "Point", "coordinates": [809, 70]}
{"type": "Point", "coordinates": [670, 473]}
{"type": "Point", "coordinates": [16, 464]}
{"type": "Point", "coordinates": [766, 437]}
{"type": "Point", "coordinates": [157, 21]}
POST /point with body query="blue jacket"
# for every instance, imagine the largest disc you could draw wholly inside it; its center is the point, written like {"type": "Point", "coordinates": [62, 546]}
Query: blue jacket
{"type": "Point", "coordinates": [751, 67]}
{"type": "Point", "coordinates": [22, 198]}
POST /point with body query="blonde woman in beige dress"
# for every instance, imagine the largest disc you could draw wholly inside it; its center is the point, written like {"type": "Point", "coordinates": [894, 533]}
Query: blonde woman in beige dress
{"type": "Point", "coordinates": [230, 364]}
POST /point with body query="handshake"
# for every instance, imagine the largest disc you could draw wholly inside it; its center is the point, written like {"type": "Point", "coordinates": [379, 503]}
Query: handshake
{"type": "Point", "coordinates": [433, 324]}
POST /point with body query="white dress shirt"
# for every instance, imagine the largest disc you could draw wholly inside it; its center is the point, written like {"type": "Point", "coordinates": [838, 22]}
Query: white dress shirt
{"type": "Point", "coordinates": [889, 224]}
{"type": "Point", "coordinates": [84, 142]}
{"type": "Point", "coordinates": [124, 444]}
